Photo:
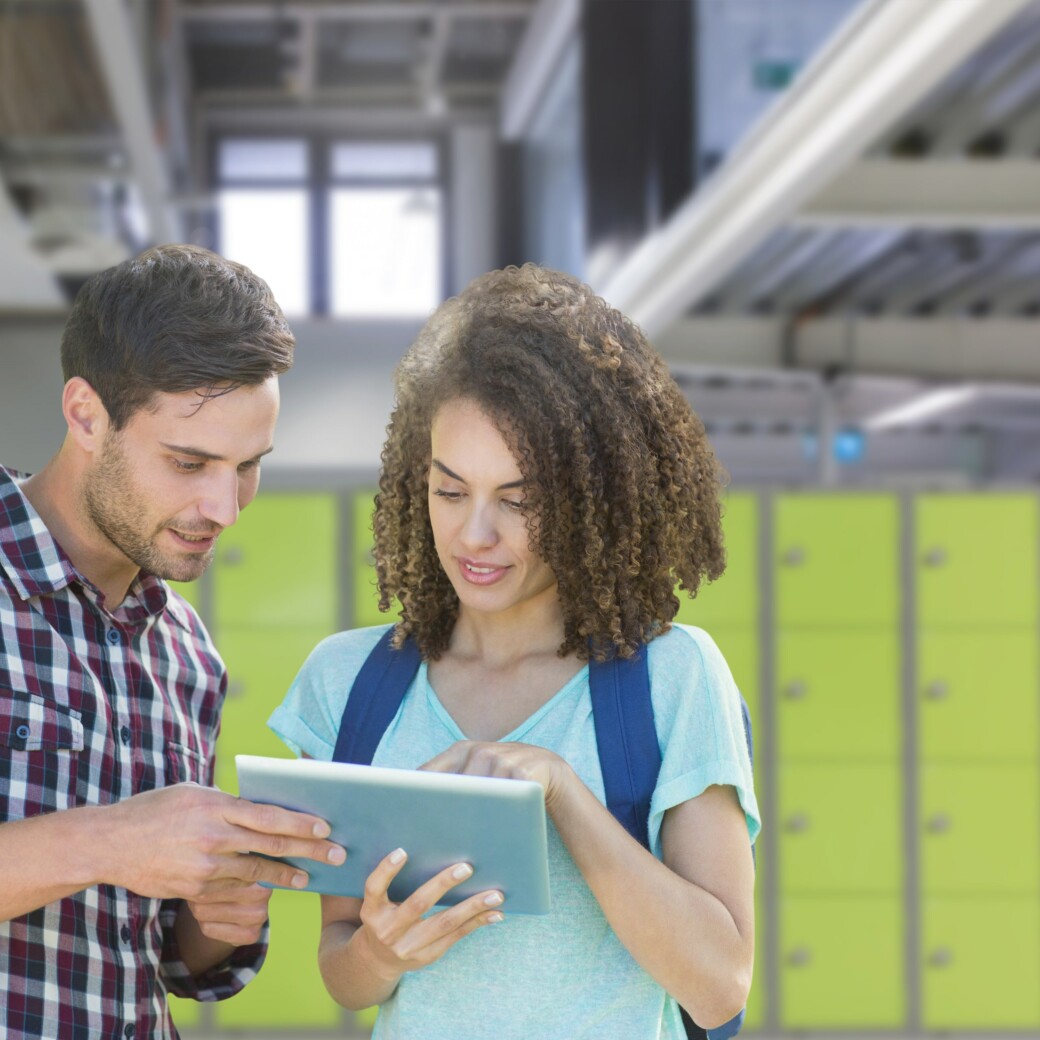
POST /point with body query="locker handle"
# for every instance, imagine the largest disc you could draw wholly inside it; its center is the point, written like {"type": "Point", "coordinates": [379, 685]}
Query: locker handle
{"type": "Point", "coordinates": [941, 958]}
{"type": "Point", "coordinates": [799, 957]}
{"type": "Point", "coordinates": [937, 691]}
{"type": "Point", "coordinates": [794, 557]}
{"type": "Point", "coordinates": [934, 557]}
{"type": "Point", "coordinates": [232, 556]}
{"type": "Point", "coordinates": [796, 690]}
{"type": "Point", "coordinates": [940, 823]}
{"type": "Point", "coordinates": [797, 824]}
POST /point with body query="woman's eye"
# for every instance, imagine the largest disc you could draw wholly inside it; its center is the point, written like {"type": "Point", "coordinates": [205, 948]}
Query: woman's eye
{"type": "Point", "coordinates": [451, 496]}
{"type": "Point", "coordinates": [515, 506]}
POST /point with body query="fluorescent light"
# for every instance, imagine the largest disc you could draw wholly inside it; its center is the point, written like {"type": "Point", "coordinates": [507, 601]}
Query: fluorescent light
{"type": "Point", "coordinates": [922, 407]}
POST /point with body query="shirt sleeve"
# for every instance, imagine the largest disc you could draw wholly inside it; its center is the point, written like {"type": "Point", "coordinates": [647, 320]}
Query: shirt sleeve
{"type": "Point", "coordinates": [217, 983]}
{"type": "Point", "coordinates": [697, 710]}
{"type": "Point", "coordinates": [309, 717]}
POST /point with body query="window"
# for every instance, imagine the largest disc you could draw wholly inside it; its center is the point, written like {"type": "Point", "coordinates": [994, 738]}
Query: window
{"type": "Point", "coordinates": [264, 214]}
{"type": "Point", "coordinates": [376, 250]}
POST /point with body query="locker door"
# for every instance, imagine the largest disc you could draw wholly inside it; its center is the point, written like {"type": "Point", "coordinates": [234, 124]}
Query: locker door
{"type": "Point", "coordinates": [977, 695]}
{"type": "Point", "coordinates": [841, 963]}
{"type": "Point", "coordinates": [837, 694]}
{"type": "Point", "coordinates": [975, 560]}
{"type": "Point", "coordinates": [836, 560]}
{"type": "Point", "coordinates": [981, 964]}
{"type": "Point", "coordinates": [279, 566]}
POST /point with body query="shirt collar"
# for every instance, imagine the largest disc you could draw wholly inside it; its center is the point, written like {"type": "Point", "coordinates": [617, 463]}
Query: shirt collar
{"type": "Point", "coordinates": [37, 565]}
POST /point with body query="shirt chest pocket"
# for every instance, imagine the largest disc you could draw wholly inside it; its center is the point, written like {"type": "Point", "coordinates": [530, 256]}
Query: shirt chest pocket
{"type": "Point", "coordinates": [31, 724]}
{"type": "Point", "coordinates": [39, 756]}
{"type": "Point", "coordinates": [183, 765]}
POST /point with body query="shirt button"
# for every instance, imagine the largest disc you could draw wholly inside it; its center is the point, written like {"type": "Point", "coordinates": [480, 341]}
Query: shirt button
{"type": "Point", "coordinates": [130, 1029]}
{"type": "Point", "coordinates": [113, 636]}
{"type": "Point", "coordinates": [124, 734]}
{"type": "Point", "coordinates": [23, 732]}
{"type": "Point", "coordinates": [124, 933]}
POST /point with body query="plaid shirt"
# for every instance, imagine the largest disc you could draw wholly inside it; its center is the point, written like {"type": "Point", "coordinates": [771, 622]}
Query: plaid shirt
{"type": "Point", "coordinates": [97, 705]}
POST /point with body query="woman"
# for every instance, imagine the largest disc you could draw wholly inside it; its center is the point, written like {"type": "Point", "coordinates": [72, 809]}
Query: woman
{"type": "Point", "coordinates": [544, 488]}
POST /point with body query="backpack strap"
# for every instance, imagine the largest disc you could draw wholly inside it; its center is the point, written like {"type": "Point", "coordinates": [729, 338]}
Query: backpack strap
{"type": "Point", "coordinates": [374, 698]}
{"type": "Point", "coordinates": [626, 738]}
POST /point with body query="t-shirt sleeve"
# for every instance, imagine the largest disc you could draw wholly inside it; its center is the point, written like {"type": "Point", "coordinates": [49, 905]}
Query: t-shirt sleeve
{"type": "Point", "coordinates": [308, 718]}
{"type": "Point", "coordinates": [697, 710]}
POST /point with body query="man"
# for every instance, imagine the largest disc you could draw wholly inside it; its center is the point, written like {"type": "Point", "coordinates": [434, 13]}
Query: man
{"type": "Point", "coordinates": [122, 876]}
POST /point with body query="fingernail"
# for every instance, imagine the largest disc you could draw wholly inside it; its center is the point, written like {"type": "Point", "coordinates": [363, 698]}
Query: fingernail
{"type": "Point", "coordinates": [299, 881]}
{"type": "Point", "coordinates": [493, 899]}
{"type": "Point", "coordinates": [495, 918]}
{"type": "Point", "coordinates": [322, 830]}
{"type": "Point", "coordinates": [462, 870]}
{"type": "Point", "coordinates": [337, 855]}
{"type": "Point", "coordinates": [396, 856]}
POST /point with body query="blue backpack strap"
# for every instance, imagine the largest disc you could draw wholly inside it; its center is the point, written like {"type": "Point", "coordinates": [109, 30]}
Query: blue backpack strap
{"type": "Point", "coordinates": [626, 739]}
{"type": "Point", "coordinates": [374, 698]}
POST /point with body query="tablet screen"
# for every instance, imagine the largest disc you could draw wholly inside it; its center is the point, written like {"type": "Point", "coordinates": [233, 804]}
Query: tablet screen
{"type": "Point", "coordinates": [495, 825]}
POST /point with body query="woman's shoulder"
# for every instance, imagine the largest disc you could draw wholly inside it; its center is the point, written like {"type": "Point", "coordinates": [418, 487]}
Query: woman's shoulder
{"type": "Point", "coordinates": [686, 648]}
{"type": "Point", "coordinates": [345, 651]}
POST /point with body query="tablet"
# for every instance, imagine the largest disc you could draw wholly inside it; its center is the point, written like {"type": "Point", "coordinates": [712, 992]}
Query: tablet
{"type": "Point", "coordinates": [495, 825]}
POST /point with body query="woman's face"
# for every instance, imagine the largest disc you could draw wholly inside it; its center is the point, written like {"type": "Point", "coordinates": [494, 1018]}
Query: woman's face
{"type": "Point", "coordinates": [476, 503]}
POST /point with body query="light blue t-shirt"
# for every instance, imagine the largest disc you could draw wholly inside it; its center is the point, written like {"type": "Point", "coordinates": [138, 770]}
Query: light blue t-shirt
{"type": "Point", "coordinates": [564, 975]}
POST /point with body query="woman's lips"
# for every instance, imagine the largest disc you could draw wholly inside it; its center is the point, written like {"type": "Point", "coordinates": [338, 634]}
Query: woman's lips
{"type": "Point", "coordinates": [478, 573]}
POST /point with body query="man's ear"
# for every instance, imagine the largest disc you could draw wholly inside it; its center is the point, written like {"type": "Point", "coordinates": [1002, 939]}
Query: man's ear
{"type": "Point", "coordinates": [86, 416]}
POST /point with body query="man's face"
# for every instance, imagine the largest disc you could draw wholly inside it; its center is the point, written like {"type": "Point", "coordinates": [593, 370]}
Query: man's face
{"type": "Point", "coordinates": [163, 488]}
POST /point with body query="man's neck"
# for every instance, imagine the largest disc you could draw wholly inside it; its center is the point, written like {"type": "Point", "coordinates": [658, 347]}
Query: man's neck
{"type": "Point", "coordinates": [55, 492]}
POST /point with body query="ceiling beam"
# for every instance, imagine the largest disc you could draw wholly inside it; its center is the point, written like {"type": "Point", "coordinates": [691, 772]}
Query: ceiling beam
{"type": "Point", "coordinates": [381, 11]}
{"type": "Point", "coordinates": [937, 193]}
{"type": "Point", "coordinates": [882, 61]}
{"type": "Point", "coordinates": [934, 348]}
{"type": "Point", "coordinates": [118, 55]}
{"type": "Point", "coordinates": [552, 26]}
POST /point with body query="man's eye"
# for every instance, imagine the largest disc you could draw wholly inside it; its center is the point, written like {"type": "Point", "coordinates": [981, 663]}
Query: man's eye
{"type": "Point", "coordinates": [187, 467]}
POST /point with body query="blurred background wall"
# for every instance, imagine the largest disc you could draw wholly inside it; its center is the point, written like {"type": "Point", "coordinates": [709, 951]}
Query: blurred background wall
{"type": "Point", "coordinates": [825, 213]}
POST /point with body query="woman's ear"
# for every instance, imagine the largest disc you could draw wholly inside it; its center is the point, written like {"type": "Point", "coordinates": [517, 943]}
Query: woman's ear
{"type": "Point", "coordinates": [85, 415]}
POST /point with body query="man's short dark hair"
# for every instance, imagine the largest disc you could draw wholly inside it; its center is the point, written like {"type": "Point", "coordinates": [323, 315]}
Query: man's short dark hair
{"type": "Point", "coordinates": [173, 319]}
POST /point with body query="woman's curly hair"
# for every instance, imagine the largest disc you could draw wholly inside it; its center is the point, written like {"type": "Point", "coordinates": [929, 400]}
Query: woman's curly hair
{"type": "Point", "coordinates": [622, 484]}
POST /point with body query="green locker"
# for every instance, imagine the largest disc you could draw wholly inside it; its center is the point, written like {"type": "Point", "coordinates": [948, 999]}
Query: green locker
{"type": "Point", "coordinates": [740, 648]}
{"type": "Point", "coordinates": [840, 829]}
{"type": "Point", "coordinates": [976, 695]}
{"type": "Point", "coordinates": [842, 963]}
{"type": "Point", "coordinates": [755, 1012]}
{"type": "Point", "coordinates": [366, 592]}
{"type": "Point", "coordinates": [192, 592]}
{"type": "Point", "coordinates": [733, 600]}
{"type": "Point", "coordinates": [279, 565]}
{"type": "Point", "coordinates": [837, 695]}
{"type": "Point", "coordinates": [836, 560]}
{"type": "Point", "coordinates": [981, 964]}
{"type": "Point", "coordinates": [975, 560]}
{"type": "Point", "coordinates": [979, 829]}
{"type": "Point", "coordinates": [289, 992]}
{"type": "Point", "coordinates": [186, 1013]}
{"type": "Point", "coordinates": [262, 664]}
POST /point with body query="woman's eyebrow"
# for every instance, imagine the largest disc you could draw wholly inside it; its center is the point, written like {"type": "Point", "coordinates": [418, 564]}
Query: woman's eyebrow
{"type": "Point", "coordinates": [462, 480]}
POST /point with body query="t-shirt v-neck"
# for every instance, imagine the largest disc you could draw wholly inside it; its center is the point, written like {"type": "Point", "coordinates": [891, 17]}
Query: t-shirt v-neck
{"type": "Point", "coordinates": [573, 687]}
